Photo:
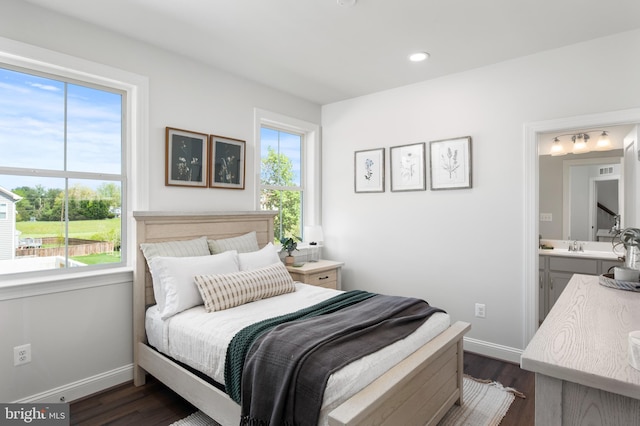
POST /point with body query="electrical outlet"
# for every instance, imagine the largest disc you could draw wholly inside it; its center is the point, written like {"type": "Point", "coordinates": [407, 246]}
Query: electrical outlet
{"type": "Point", "coordinates": [22, 354]}
{"type": "Point", "coordinates": [546, 217]}
{"type": "Point", "coordinates": [480, 310]}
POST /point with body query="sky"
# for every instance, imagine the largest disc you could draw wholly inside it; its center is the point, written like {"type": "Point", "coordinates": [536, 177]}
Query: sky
{"type": "Point", "coordinates": [32, 128]}
{"type": "Point", "coordinates": [285, 143]}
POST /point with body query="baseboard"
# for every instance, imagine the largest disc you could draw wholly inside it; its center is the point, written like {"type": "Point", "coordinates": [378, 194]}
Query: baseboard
{"type": "Point", "coordinates": [84, 387]}
{"type": "Point", "coordinates": [504, 353]}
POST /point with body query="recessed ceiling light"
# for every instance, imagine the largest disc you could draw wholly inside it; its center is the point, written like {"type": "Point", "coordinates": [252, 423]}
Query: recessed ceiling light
{"type": "Point", "coordinates": [418, 56]}
{"type": "Point", "coordinates": [346, 3]}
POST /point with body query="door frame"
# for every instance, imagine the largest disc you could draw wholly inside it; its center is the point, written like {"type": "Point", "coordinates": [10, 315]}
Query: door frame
{"type": "Point", "coordinates": [531, 198]}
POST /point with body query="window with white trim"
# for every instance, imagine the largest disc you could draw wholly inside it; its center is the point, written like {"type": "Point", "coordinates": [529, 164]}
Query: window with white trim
{"type": "Point", "coordinates": [289, 172]}
{"type": "Point", "coordinates": [62, 141]}
{"type": "Point", "coordinates": [4, 208]}
{"type": "Point", "coordinates": [280, 180]}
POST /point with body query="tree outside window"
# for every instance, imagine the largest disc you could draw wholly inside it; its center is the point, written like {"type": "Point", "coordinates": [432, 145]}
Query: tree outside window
{"type": "Point", "coordinates": [280, 180]}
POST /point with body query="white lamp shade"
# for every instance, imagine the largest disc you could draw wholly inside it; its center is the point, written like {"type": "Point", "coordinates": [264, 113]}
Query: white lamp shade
{"type": "Point", "coordinates": [557, 148]}
{"type": "Point", "coordinates": [313, 234]}
{"type": "Point", "coordinates": [603, 141]}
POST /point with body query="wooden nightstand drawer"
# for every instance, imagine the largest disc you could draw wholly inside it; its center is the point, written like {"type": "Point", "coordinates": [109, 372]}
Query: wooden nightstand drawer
{"type": "Point", "coordinates": [323, 273]}
{"type": "Point", "coordinates": [324, 278]}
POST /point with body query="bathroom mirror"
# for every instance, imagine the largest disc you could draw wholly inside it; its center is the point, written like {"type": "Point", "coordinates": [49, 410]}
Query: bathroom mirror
{"type": "Point", "coordinates": [593, 198]}
{"type": "Point", "coordinates": [582, 195]}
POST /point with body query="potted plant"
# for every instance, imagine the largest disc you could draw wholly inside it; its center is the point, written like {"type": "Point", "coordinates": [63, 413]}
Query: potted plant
{"type": "Point", "coordinates": [289, 245]}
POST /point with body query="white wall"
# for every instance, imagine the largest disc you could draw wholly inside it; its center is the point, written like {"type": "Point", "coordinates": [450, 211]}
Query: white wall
{"type": "Point", "coordinates": [75, 350]}
{"type": "Point", "coordinates": [456, 248]}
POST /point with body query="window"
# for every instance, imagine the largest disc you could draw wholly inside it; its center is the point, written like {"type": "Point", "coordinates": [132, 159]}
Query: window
{"type": "Point", "coordinates": [280, 179]}
{"type": "Point", "coordinates": [289, 172]}
{"type": "Point", "coordinates": [62, 156]}
{"type": "Point", "coordinates": [3, 211]}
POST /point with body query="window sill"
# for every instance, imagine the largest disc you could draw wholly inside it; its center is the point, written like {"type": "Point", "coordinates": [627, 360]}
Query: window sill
{"type": "Point", "coordinates": [36, 286]}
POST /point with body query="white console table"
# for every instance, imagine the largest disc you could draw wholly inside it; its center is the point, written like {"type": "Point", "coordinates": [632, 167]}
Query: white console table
{"type": "Point", "coordinates": [580, 357]}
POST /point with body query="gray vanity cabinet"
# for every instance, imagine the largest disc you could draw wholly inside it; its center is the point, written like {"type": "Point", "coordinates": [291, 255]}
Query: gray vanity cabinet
{"type": "Point", "coordinates": [555, 272]}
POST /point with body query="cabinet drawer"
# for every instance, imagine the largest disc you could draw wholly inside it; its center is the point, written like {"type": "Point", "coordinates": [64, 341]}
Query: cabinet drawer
{"type": "Point", "coordinates": [328, 279]}
{"type": "Point", "coordinates": [577, 266]}
{"type": "Point", "coordinates": [324, 279]}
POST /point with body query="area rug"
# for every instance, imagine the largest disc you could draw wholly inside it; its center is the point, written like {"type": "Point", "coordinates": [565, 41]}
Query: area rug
{"type": "Point", "coordinates": [485, 403]}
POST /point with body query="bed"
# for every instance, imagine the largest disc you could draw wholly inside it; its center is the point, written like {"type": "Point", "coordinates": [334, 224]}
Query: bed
{"type": "Point", "coordinates": [419, 389]}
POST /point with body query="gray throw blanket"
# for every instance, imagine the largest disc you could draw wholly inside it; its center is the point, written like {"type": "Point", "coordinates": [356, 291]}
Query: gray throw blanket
{"type": "Point", "coordinates": [287, 368]}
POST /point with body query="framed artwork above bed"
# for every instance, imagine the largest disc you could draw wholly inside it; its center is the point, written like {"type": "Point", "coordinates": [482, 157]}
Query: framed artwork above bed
{"type": "Point", "coordinates": [186, 158]}
{"type": "Point", "coordinates": [227, 162]}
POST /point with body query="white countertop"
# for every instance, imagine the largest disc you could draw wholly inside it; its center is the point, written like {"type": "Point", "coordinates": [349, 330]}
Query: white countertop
{"type": "Point", "coordinates": [584, 339]}
{"type": "Point", "coordinates": [588, 254]}
{"type": "Point", "coordinates": [591, 249]}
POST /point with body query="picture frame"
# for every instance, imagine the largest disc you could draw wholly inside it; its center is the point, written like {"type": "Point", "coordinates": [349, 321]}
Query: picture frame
{"type": "Point", "coordinates": [227, 162]}
{"type": "Point", "coordinates": [450, 163]}
{"type": "Point", "coordinates": [407, 164]}
{"type": "Point", "coordinates": [186, 158]}
{"type": "Point", "coordinates": [369, 170]}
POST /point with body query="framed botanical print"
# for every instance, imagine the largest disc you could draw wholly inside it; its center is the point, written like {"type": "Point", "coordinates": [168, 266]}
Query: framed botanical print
{"type": "Point", "coordinates": [450, 163]}
{"type": "Point", "coordinates": [227, 162]}
{"type": "Point", "coordinates": [186, 158]}
{"type": "Point", "coordinates": [408, 167]}
{"type": "Point", "coordinates": [369, 170]}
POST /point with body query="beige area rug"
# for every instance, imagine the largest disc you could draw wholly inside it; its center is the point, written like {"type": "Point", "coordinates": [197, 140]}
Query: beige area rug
{"type": "Point", "coordinates": [485, 404]}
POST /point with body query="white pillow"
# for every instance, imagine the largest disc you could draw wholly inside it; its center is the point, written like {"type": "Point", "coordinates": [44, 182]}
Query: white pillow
{"type": "Point", "coordinates": [267, 255]}
{"type": "Point", "coordinates": [173, 279]}
{"type": "Point", "coordinates": [242, 244]}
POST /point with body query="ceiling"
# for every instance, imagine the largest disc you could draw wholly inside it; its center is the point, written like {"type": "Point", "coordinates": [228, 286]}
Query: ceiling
{"type": "Point", "coordinates": [324, 52]}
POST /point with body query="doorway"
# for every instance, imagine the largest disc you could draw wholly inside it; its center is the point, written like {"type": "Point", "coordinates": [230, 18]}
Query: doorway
{"type": "Point", "coordinates": [531, 198]}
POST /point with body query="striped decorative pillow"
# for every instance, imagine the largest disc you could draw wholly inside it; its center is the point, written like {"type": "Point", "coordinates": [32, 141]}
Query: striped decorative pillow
{"type": "Point", "coordinates": [188, 248]}
{"type": "Point", "coordinates": [242, 244]}
{"type": "Point", "coordinates": [224, 291]}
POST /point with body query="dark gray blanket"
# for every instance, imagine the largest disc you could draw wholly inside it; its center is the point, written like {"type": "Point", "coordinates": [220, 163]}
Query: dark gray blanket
{"type": "Point", "coordinates": [287, 369]}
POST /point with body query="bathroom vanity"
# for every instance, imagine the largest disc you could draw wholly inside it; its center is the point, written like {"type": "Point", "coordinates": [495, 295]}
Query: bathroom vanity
{"type": "Point", "coordinates": [557, 266]}
{"type": "Point", "coordinates": [580, 357]}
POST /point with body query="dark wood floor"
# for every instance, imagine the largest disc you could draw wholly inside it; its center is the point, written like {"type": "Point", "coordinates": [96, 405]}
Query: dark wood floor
{"type": "Point", "coordinates": [153, 404]}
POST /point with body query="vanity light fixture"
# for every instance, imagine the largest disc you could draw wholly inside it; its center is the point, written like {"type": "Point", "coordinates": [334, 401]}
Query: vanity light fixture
{"type": "Point", "coordinates": [418, 56]}
{"type": "Point", "coordinates": [580, 142]}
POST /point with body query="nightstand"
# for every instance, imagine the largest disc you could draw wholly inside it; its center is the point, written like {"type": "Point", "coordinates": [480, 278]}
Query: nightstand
{"type": "Point", "coordinates": [323, 273]}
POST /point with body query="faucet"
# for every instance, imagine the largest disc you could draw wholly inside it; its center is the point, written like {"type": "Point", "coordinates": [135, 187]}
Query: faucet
{"type": "Point", "coordinates": [575, 247]}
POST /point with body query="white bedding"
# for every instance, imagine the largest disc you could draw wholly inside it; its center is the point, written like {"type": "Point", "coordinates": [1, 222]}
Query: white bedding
{"type": "Point", "coordinates": [200, 339]}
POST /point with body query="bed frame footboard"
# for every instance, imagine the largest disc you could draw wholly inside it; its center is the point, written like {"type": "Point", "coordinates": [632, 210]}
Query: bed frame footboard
{"type": "Point", "coordinates": [418, 390]}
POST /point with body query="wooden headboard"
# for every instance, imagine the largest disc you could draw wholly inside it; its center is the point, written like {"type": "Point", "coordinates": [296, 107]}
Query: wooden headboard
{"type": "Point", "coordinates": [157, 226]}
{"type": "Point", "coordinates": [153, 227]}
